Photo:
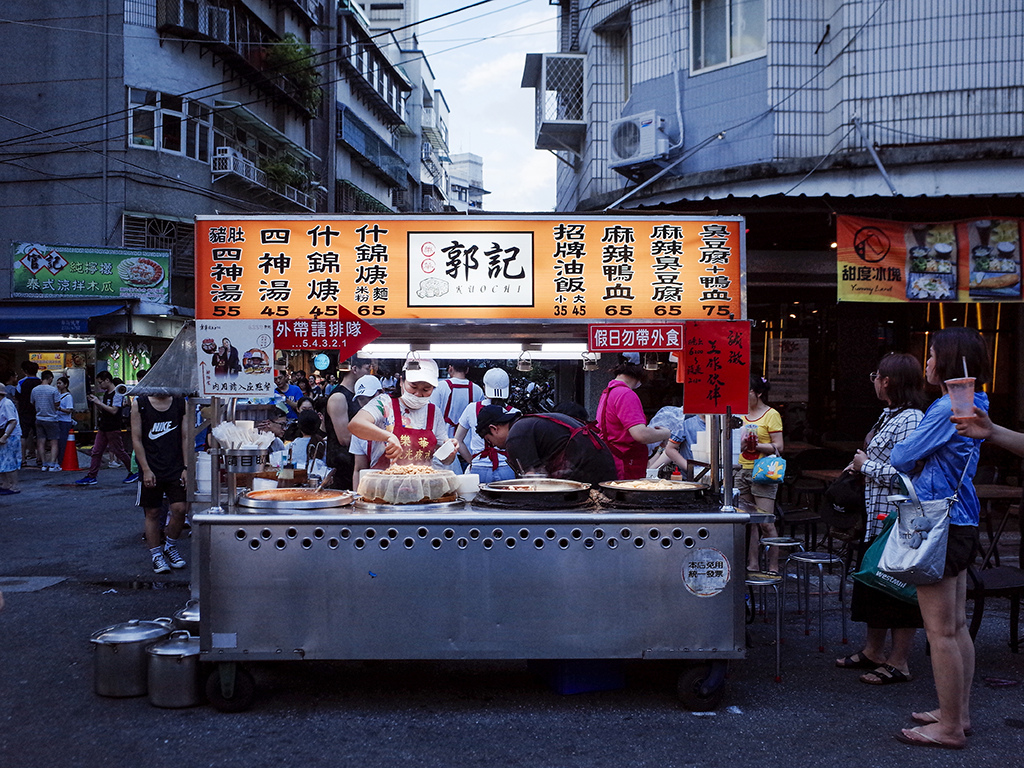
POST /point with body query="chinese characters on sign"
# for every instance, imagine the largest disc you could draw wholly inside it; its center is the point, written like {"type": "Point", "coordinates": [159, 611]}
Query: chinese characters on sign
{"type": "Point", "coordinates": [347, 334]}
{"type": "Point", "coordinates": [963, 261]}
{"type": "Point", "coordinates": [235, 358]}
{"type": "Point", "coordinates": [72, 272]}
{"type": "Point", "coordinates": [394, 267]}
{"type": "Point", "coordinates": [715, 370]}
{"type": "Point", "coordinates": [637, 337]}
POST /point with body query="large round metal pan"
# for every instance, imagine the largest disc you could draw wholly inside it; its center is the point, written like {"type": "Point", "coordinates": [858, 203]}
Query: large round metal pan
{"type": "Point", "coordinates": [546, 490]}
{"type": "Point", "coordinates": [295, 500]}
{"type": "Point", "coordinates": [668, 493]}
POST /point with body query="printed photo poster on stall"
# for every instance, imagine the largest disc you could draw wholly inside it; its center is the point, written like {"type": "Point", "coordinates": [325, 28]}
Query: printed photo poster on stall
{"type": "Point", "coordinates": [715, 370]}
{"type": "Point", "coordinates": [338, 330]}
{"type": "Point", "coordinates": [968, 260]}
{"type": "Point", "coordinates": [235, 357]}
{"type": "Point", "coordinates": [393, 267]}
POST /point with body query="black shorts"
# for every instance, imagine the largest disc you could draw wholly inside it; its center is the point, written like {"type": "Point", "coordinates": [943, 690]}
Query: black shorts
{"type": "Point", "coordinates": [153, 498]}
{"type": "Point", "coordinates": [962, 547]}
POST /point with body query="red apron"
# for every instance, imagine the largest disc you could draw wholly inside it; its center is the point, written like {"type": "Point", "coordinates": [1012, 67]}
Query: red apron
{"type": "Point", "coordinates": [418, 445]}
{"type": "Point", "coordinates": [630, 458]}
{"type": "Point", "coordinates": [490, 451]}
{"type": "Point", "coordinates": [454, 384]}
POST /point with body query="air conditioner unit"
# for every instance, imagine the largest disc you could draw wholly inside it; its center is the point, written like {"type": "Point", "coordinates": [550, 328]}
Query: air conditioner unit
{"type": "Point", "coordinates": [637, 139]}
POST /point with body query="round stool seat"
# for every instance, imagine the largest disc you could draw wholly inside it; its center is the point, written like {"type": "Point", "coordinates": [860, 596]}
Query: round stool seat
{"type": "Point", "coordinates": [815, 558]}
{"type": "Point", "coordinates": [755, 579]}
{"type": "Point", "coordinates": [781, 541]}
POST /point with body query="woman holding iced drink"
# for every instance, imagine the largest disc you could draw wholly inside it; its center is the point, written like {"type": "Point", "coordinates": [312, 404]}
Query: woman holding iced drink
{"type": "Point", "coordinates": [955, 354]}
{"type": "Point", "coordinates": [761, 436]}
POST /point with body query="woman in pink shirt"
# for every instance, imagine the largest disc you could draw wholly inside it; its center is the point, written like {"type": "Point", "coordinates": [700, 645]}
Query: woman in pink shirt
{"type": "Point", "coordinates": [621, 421]}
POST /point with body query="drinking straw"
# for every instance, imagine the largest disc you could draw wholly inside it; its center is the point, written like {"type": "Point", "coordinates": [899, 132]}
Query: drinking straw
{"type": "Point", "coordinates": [964, 358]}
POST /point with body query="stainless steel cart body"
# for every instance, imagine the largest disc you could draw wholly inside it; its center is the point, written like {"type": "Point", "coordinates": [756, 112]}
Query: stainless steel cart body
{"type": "Point", "coordinates": [472, 584]}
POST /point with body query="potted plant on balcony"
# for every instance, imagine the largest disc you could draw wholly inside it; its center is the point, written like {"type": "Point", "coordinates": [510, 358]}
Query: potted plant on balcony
{"type": "Point", "coordinates": [296, 61]}
{"type": "Point", "coordinates": [281, 170]}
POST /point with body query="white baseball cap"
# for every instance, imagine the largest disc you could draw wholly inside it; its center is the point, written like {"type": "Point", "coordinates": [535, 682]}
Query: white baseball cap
{"type": "Point", "coordinates": [368, 386]}
{"type": "Point", "coordinates": [421, 370]}
{"type": "Point", "coordinates": [496, 383]}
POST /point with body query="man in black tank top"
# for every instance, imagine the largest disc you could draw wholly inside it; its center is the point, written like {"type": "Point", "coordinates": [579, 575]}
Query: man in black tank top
{"type": "Point", "coordinates": [161, 442]}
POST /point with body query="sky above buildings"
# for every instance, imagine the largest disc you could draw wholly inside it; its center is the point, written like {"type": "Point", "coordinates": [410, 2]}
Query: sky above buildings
{"type": "Point", "coordinates": [477, 57]}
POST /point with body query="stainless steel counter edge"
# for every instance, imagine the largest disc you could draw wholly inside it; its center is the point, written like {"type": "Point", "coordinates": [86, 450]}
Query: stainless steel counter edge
{"type": "Point", "coordinates": [479, 517]}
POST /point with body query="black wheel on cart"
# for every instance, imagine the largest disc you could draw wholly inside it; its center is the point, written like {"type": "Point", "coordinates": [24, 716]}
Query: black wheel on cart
{"type": "Point", "coordinates": [695, 692]}
{"type": "Point", "coordinates": [230, 688]}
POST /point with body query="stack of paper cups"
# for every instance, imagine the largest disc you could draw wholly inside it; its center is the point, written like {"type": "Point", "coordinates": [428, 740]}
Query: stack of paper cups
{"type": "Point", "coordinates": [203, 476]}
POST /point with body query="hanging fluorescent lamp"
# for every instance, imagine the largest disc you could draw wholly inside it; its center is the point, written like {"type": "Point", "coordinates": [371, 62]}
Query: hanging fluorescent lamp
{"type": "Point", "coordinates": [482, 351]}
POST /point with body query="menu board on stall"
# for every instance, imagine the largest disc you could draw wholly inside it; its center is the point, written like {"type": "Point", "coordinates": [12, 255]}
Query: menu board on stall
{"type": "Point", "coordinates": [789, 370]}
{"type": "Point", "coordinates": [235, 357]}
{"type": "Point", "coordinates": [52, 361]}
{"type": "Point", "coordinates": [77, 272]}
{"type": "Point", "coordinates": [715, 371]}
{"type": "Point", "coordinates": [550, 268]}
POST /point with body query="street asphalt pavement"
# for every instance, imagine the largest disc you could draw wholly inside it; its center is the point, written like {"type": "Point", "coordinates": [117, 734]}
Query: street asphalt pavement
{"type": "Point", "coordinates": [72, 561]}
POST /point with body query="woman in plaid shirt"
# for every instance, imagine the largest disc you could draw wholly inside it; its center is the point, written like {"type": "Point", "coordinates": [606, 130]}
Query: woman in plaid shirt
{"type": "Point", "coordinates": [899, 383]}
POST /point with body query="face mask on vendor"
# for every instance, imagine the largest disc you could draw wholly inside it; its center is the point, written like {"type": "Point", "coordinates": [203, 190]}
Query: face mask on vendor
{"type": "Point", "coordinates": [415, 395]}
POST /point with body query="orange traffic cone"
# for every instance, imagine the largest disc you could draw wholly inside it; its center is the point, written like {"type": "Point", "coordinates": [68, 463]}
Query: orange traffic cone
{"type": "Point", "coordinates": [70, 460]}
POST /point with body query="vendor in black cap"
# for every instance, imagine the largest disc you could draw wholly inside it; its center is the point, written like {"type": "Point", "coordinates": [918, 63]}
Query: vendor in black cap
{"type": "Point", "coordinates": [550, 444]}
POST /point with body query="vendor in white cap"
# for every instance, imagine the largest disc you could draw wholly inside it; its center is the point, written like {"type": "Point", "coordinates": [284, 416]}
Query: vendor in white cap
{"type": "Point", "coordinates": [366, 388]}
{"type": "Point", "coordinates": [408, 429]}
{"type": "Point", "coordinates": [487, 460]}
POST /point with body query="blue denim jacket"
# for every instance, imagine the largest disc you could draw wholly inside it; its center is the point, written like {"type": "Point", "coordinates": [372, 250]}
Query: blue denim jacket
{"type": "Point", "coordinates": [945, 452]}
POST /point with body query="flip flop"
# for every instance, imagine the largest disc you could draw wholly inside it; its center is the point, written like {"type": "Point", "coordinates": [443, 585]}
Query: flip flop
{"type": "Point", "coordinates": [886, 674]}
{"type": "Point", "coordinates": [923, 740]}
{"type": "Point", "coordinates": [857, 661]}
{"type": "Point", "coordinates": [927, 718]}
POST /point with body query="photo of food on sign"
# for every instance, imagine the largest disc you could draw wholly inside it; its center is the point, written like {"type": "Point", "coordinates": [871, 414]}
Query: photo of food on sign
{"type": "Point", "coordinates": [995, 259]}
{"type": "Point", "coordinates": [931, 261]}
{"type": "Point", "coordinates": [234, 357]}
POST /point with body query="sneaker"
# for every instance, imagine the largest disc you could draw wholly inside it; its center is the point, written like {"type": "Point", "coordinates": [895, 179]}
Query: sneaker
{"type": "Point", "coordinates": [86, 481]}
{"type": "Point", "coordinates": [114, 464]}
{"type": "Point", "coordinates": [160, 563]}
{"type": "Point", "coordinates": [131, 478]}
{"type": "Point", "coordinates": [174, 559]}
{"type": "Point", "coordinates": [56, 468]}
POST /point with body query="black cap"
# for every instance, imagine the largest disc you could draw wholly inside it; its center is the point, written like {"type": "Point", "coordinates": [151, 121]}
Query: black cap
{"type": "Point", "coordinates": [490, 415]}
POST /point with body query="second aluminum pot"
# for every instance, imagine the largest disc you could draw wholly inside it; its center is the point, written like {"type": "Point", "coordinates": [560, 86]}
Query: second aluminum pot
{"type": "Point", "coordinates": [120, 656]}
{"type": "Point", "coordinates": [174, 671]}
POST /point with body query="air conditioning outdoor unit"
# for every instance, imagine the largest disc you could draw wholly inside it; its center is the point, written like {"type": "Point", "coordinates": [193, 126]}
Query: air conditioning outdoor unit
{"type": "Point", "coordinates": [637, 139]}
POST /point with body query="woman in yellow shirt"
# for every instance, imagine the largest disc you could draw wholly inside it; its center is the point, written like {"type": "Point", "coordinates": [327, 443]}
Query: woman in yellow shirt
{"type": "Point", "coordinates": [762, 436]}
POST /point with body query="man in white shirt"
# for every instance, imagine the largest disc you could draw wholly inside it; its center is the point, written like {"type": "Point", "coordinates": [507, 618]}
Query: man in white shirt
{"type": "Point", "coordinates": [453, 394]}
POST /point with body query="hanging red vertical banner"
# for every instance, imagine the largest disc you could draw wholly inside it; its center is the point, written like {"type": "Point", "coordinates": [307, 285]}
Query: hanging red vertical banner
{"type": "Point", "coordinates": [715, 369]}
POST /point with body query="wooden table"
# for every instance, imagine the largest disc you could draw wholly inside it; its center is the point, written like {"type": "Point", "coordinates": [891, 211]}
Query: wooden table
{"type": "Point", "coordinates": [825, 475]}
{"type": "Point", "coordinates": [989, 494]}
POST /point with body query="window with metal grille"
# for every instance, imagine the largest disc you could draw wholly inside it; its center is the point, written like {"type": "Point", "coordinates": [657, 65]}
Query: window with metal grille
{"type": "Point", "coordinates": [143, 231]}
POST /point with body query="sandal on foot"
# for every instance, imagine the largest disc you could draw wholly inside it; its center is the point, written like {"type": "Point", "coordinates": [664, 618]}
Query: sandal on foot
{"type": "Point", "coordinates": [927, 718]}
{"type": "Point", "coordinates": [857, 661]}
{"type": "Point", "coordinates": [921, 739]}
{"type": "Point", "coordinates": [886, 674]}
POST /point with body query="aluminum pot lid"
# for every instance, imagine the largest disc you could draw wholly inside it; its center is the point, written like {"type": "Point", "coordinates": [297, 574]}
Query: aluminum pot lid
{"type": "Point", "coordinates": [190, 612]}
{"type": "Point", "coordinates": [180, 643]}
{"type": "Point", "coordinates": [132, 631]}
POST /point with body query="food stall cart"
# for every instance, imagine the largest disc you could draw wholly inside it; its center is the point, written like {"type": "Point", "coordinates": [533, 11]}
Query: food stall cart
{"type": "Point", "coordinates": [512, 573]}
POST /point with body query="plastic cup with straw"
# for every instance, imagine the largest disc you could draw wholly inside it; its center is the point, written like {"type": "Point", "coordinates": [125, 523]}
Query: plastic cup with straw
{"type": "Point", "coordinates": [961, 393]}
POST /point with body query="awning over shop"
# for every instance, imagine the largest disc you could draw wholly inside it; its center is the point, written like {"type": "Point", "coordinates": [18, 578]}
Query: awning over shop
{"type": "Point", "coordinates": [52, 318]}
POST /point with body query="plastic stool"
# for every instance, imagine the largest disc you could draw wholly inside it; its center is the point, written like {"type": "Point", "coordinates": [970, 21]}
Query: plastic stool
{"type": "Point", "coordinates": [806, 560]}
{"type": "Point", "coordinates": [762, 581]}
{"type": "Point", "coordinates": [782, 542]}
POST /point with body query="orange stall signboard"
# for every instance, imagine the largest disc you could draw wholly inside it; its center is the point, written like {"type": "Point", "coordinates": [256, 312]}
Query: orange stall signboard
{"type": "Point", "coordinates": [400, 267]}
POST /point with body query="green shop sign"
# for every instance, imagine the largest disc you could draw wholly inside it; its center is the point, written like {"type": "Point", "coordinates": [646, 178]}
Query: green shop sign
{"type": "Point", "coordinates": [81, 272]}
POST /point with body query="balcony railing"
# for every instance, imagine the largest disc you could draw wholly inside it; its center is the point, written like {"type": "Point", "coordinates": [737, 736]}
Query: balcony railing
{"type": "Point", "coordinates": [229, 162]}
{"type": "Point", "coordinates": [434, 130]}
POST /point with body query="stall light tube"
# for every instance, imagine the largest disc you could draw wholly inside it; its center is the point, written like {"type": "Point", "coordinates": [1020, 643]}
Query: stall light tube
{"type": "Point", "coordinates": [574, 348]}
{"type": "Point", "coordinates": [385, 351]}
{"type": "Point", "coordinates": [34, 337]}
{"type": "Point", "coordinates": [477, 351]}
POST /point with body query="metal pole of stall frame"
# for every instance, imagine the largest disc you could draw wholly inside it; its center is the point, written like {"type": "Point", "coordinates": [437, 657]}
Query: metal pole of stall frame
{"type": "Point", "coordinates": [232, 479]}
{"type": "Point", "coordinates": [714, 430]}
{"type": "Point", "coordinates": [727, 462]}
{"type": "Point", "coordinates": [216, 454]}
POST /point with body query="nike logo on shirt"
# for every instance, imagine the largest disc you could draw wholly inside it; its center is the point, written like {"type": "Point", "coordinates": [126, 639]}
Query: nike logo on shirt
{"type": "Point", "coordinates": [161, 428]}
